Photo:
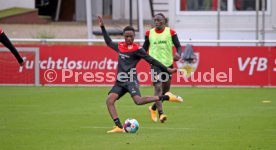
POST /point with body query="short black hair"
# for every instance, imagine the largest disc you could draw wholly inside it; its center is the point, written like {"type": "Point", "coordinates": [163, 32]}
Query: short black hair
{"type": "Point", "coordinates": [160, 14]}
{"type": "Point", "coordinates": [128, 28]}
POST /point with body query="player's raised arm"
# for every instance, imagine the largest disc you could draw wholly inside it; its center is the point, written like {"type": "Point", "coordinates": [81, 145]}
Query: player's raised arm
{"type": "Point", "coordinates": [100, 21]}
{"type": "Point", "coordinates": [7, 43]}
{"type": "Point", "coordinates": [107, 38]}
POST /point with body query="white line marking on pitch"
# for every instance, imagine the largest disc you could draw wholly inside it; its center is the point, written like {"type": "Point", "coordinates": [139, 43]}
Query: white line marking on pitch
{"type": "Point", "coordinates": [152, 128]}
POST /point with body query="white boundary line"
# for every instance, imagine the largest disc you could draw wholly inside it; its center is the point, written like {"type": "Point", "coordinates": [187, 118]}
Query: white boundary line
{"type": "Point", "coordinates": [151, 128]}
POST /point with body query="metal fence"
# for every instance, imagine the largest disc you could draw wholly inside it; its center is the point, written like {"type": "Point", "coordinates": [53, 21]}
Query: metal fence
{"type": "Point", "coordinates": [91, 41]}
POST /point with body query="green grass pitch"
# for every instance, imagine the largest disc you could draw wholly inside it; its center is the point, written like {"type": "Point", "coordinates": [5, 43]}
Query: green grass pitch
{"type": "Point", "coordinates": [76, 118]}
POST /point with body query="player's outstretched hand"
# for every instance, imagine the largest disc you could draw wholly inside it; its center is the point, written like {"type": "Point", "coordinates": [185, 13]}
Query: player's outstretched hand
{"type": "Point", "coordinates": [22, 63]}
{"type": "Point", "coordinates": [100, 20]}
{"type": "Point", "coordinates": [172, 70]}
{"type": "Point", "coordinates": [176, 57]}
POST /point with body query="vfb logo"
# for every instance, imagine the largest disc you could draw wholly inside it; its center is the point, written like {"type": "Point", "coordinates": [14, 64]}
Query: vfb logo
{"type": "Point", "coordinates": [254, 64]}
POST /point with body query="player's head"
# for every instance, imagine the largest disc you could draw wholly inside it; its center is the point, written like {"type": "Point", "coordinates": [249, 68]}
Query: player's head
{"type": "Point", "coordinates": [129, 34]}
{"type": "Point", "coordinates": [160, 21]}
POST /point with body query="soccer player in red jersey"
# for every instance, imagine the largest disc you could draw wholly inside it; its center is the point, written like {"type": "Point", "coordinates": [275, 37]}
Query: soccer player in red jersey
{"type": "Point", "coordinates": [129, 54]}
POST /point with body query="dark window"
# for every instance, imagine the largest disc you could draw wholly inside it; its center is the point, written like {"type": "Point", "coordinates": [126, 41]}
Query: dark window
{"type": "Point", "coordinates": [202, 5]}
{"type": "Point", "coordinates": [248, 5]}
{"type": "Point", "coordinates": [107, 8]}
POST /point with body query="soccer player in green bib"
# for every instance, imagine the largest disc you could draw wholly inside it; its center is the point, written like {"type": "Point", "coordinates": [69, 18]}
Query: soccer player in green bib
{"type": "Point", "coordinates": [159, 42]}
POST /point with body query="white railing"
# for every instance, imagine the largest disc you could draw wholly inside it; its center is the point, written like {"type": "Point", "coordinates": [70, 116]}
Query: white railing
{"type": "Point", "coordinates": [141, 40]}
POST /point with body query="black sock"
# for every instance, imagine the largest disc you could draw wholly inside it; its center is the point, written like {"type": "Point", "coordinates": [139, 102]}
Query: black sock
{"type": "Point", "coordinates": [6, 42]}
{"type": "Point", "coordinates": [160, 112]}
{"type": "Point", "coordinates": [164, 98]}
{"type": "Point", "coordinates": [118, 122]}
{"type": "Point", "coordinates": [153, 107]}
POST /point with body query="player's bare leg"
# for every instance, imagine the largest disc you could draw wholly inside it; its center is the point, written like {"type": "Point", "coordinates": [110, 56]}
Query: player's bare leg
{"type": "Point", "coordinates": [164, 89]}
{"type": "Point", "coordinates": [110, 102]}
{"type": "Point", "coordinates": [157, 105]}
{"type": "Point", "coordinates": [166, 86]}
{"type": "Point", "coordinates": [138, 100]}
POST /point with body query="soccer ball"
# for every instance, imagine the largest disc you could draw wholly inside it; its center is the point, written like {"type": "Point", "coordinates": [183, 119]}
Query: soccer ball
{"type": "Point", "coordinates": [131, 125]}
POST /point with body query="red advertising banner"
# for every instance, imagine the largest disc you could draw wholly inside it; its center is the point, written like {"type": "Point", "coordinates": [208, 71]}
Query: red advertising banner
{"type": "Point", "coordinates": [246, 66]}
{"type": "Point", "coordinates": [97, 65]}
{"type": "Point", "coordinates": [12, 73]}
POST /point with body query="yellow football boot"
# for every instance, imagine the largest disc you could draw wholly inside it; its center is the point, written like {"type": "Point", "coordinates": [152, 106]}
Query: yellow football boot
{"type": "Point", "coordinates": [163, 118]}
{"type": "Point", "coordinates": [174, 98]}
{"type": "Point", "coordinates": [116, 129]}
{"type": "Point", "coordinates": [153, 114]}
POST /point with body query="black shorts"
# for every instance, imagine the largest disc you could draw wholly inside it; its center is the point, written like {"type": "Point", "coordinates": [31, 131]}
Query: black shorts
{"type": "Point", "coordinates": [158, 76]}
{"type": "Point", "coordinates": [121, 88]}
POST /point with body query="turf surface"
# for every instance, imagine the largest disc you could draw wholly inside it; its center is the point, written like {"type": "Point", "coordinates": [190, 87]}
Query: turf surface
{"type": "Point", "coordinates": [76, 118]}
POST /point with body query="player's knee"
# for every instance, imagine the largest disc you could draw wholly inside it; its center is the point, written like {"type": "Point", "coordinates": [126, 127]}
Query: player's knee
{"type": "Point", "coordinates": [110, 101]}
{"type": "Point", "coordinates": [107, 101]}
{"type": "Point", "coordinates": [138, 101]}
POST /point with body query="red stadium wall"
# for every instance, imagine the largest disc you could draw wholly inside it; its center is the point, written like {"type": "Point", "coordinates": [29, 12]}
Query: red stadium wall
{"type": "Point", "coordinates": [96, 65]}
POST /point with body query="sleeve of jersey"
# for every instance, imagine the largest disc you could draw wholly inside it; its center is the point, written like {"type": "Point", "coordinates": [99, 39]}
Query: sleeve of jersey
{"type": "Point", "coordinates": [7, 43]}
{"type": "Point", "coordinates": [108, 40]}
{"type": "Point", "coordinates": [176, 42]}
{"type": "Point", "coordinates": [146, 43]}
{"type": "Point", "coordinates": [172, 32]}
{"type": "Point", "coordinates": [143, 54]}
